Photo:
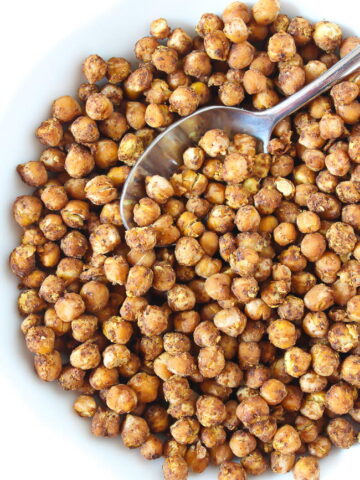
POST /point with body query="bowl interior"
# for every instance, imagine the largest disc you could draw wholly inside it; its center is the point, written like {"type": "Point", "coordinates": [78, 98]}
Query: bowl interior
{"type": "Point", "coordinates": [113, 33]}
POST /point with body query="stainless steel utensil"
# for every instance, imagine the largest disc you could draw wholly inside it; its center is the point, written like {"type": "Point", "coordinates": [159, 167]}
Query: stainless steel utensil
{"type": "Point", "coordinates": [164, 155]}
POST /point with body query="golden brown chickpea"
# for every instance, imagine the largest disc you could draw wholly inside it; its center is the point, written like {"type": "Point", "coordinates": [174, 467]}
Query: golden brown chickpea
{"type": "Point", "coordinates": [86, 356]}
{"type": "Point", "coordinates": [52, 227]}
{"type": "Point", "coordinates": [320, 447]}
{"type": "Point", "coordinates": [86, 89]}
{"type": "Point", "coordinates": [134, 431]}
{"type": "Point", "coordinates": [282, 333]}
{"type": "Point", "coordinates": [50, 132]}
{"type": "Point", "coordinates": [210, 410]}
{"type": "Point", "coordinates": [74, 244]}
{"type": "Point", "coordinates": [297, 361]}
{"type": "Point", "coordinates": [313, 70]}
{"type": "Point", "coordinates": [52, 288]}
{"type": "Point", "coordinates": [175, 468]}
{"type": "Point", "coordinates": [105, 423]}
{"type": "Point", "coordinates": [273, 391]}
{"type": "Point", "coordinates": [281, 47]}
{"type": "Point", "coordinates": [217, 45]}
{"type": "Point", "coordinates": [281, 462]}
{"type": "Point", "coordinates": [325, 360]}
{"type": "Point", "coordinates": [85, 406]}
{"type": "Point", "coordinates": [27, 210]}
{"type": "Point", "coordinates": [319, 298]}
{"type": "Point", "coordinates": [220, 454]}
{"type": "Point", "coordinates": [241, 55]}
{"type": "Point", "coordinates": [33, 173]}
{"type": "Point", "coordinates": [341, 238]}
{"type": "Point", "coordinates": [152, 448]}
{"type": "Point", "coordinates": [286, 440]}
{"type": "Point", "coordinates": [94, 68]}
{"type": "Point", "coordinates": [22, 260]}
{"type": "Point", "coordinates": [79, 161]}
{"type": "Point", "coordinates": [185, 430]}
{"type": "Point", "coordinates": [265, 11]}
{"type": "Point", "coordinates": [231, 471]}
{"type": "Point", "coordinates": [48, 366]}
{"type": "Point", "coordinates": [165, 59]}
{"type": "Point", "coordinates": [102, 378]}
{"type": "Point", "coordinates": [181, 298]}
{"type": "Point", "coordinates": [307, 468]}
{"type": "Point", "coordinates": [54, 197]}
{"type": "Point", "coordinates": [315, 324]}
{"type": "Point", "coordinates": [350, 370]}
{"type": "Point", "coordinates": [69, 307]}
{"type": "Point", "coordinates": [98, 107]}
{"type": "Point", "coordinates": [40, 340]}
{"type": "Point", "coordinates": [340, 398]}
{"type": "Point", "coordinates": [180, 41]}
{"type": "Point", "coordinates": [49, 254]}
{"type": "Point", "coordinates": [327, 35]}
{"type": "Point", "coordinates": [121, 399]}
{"type": "Point", "coordinates": [118, 69]}
{"type": "Point", "coordinates": [254, 463]}
{"type": "Point", "coordinates": [211, 361]}
{"type": "Point", "coordinates": [341, 433]}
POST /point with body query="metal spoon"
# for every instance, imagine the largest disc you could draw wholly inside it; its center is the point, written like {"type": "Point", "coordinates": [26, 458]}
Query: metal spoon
{"type": "Point", "coordinates": [164, 155]}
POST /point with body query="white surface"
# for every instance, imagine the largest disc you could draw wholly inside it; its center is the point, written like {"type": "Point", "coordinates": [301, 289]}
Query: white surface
{"type": "Point", "coordinates": [42, 46]}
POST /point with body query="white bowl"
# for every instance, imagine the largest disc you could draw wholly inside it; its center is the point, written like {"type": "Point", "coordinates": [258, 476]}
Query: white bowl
{"type": "Point", "coordinates": [68, 447]}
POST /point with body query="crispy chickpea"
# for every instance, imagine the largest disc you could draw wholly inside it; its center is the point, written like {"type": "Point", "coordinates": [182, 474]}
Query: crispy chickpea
{"type": "Point", "coordinates": [341, 433]}
{"type": "Point", "coordinates": [327, 36]}
{"type": "Point", "coordinates": [94, 68]}
{"type": "Point", "coordinates": [211, 361]}
{"type": "Point", "coordinates": [273, 391]}
{"type": "Point", "coordinates": [165, 59]}
{"type": "Point", "coordinates": [281, 47]}
{"type": "Point", "coordinates": [121, 399]}
{"type": "Point", "coordinates": [350, 370]}
{"type": "Point", "coordinates": [339, 398]}
{"type": "Point", "coordinates": [320, 447]}
{"type": "Point", "coordinates": [134, 431]}
{"type": "Point", "coordinates": [210, 411]}
{"type": "Point", "coordinates": [181, 298]}
{"type": "Point", "coordinates": [281, 462]}
{"type": "Point", "coordinates": [241, 55]}
{"type": "Point", "coordinates": [175, 468]}
{"type": "Point", "coordinates": [341, 238]}
{"type": "Point", "coordinates": [40, 340]}
{"type": "Point", "coordinates": [69, 307]}
{"type": "Point", "coordinates": [286, 440]}
{"type": "Point", "coordinates": [50, 132]}
{"type": "Point", "coordinates": [48, 366]}
{"type": "Point", "coordinates": [319, 298]}
{"type": "Point", "coordinates": [85, 406]}
{"type": "Point", "coordinates": [118, 69]}
{"type": "Point", "coordinates": [180, 41]}
{"type": "Point", "coordinates": [324, 360]}
{"type": "Point", "coordinates": [254, 463]}
{"type": "Point", "coordinates": [152, 448]}
{"type": "Point", "coordinates": [86, 356]}
{"type": "Point", "coordinates": [49, 254]}
{"type": "Point", "coordinates": [105, 423]}
{"type": "Point", "coordinates": [307, 468]}
{"type": "Point", "coordinates": [297, 361]}
{"type": "Point", "coordinates": [282, 333]}
{"type": "Point", "coordinates": [231, 471]}
{"type": "Point", "coordinates": [75, 213]}
{"type": "Point", "coordinates": [27, 210]}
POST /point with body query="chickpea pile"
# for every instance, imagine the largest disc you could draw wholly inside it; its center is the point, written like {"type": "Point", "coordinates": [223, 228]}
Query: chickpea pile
{"type": "Point", "coordinates": [236, 343]}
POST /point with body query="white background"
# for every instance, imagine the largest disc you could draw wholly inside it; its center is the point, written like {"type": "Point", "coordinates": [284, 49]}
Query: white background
{"type": "Point", "coordinates": [39, 437]}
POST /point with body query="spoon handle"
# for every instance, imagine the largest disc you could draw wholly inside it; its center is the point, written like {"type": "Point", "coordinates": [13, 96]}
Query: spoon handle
{"type": "Point", "coordinates": [337, 72]}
